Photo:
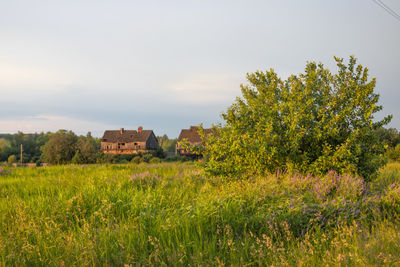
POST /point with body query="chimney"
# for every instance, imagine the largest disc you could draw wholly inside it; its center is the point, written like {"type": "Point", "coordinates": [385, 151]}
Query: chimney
{"type": "Point", "coordinates": [139, 129]}
{"type": "Point", "coordinates": [122, 130]}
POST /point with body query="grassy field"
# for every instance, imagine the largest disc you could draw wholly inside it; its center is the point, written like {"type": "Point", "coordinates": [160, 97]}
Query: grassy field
{"type": "Point", "coordinates": [171, 214]}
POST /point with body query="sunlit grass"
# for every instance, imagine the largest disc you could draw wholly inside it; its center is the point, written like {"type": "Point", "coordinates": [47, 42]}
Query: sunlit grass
{"type": "Point", "coordinates": [170, 213]}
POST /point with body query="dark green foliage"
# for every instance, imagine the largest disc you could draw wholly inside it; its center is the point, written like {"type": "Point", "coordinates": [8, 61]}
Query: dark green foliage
{"type": "Point", "coordinates": [66, 147]}
{"type": "Point", "coordinates": [177, 158]}
{"type": "Point", "coordinates": [77, 158]}
{"type": "Point", "coordinates": [146, 157]}
{"type": "Point", "coordinates": [60, 148]}
{"type": "Point", "coordinates": [88, 148]}
{"type": "Point", "coordinates": [136, 159]}
{"type": "Point", "coordinates": [125, 158]}
{"type": "Point", "coordinates": [10, 144]}
{"type": "Point", "coordinates": [167, 145]}
{"type": "Point", "coordinates": [389, 137]}
{"type": "Point", "coordinates": [159, 153]}
{"type": "Point", "coordinates": [12, 159]}
{"type": "Point", "coordinates": [4, 144]}
{"type": "Point", "coordinates": [105, 158]}
{"type": "Point", "coordinates": [310, 123]}
{"type": "Point", "coordinates": [393, 153]}
{"type": "Point", "coordinates": [155, 160]}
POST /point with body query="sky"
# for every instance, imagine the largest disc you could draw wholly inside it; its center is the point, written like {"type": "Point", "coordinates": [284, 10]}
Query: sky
{"type": "Point", "coordinates": [165, 65]}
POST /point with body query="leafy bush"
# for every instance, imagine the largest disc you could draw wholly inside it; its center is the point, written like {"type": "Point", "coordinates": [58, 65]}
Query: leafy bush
{"type": "Point", "coordinates": [159, 153]}
{"type": "Point", "coordinates": [124, 158]}
{"type": "Point", "coordinates": [77, 158]}
{"type": "Point", "coordinates": [155, 160]}
{"type": "Point", "coordinates": [177, 158]}
{"type": "Point", "coordinates": [105, 158]}
{"type": "Point", "coordinates": [60, 148]}
{"type": "Point", "coordinates": [136, 159]}
{"type": "Point", "coordinates": [394, 153]}
{"type": "Point", "coordinates": [12, 159]}
{"type": "Point", "coordinates": [310, 123]}
{"type": "Point", "coordinates": [147, 157]}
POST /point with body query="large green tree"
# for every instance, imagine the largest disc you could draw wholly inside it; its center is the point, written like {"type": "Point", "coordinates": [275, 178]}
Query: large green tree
{"type": "Point", "coordinates": [87, 150]}
{"type": "Point", "coordinates": [309, 123]}
{"type": "Point", "coordinates": [60, 148]}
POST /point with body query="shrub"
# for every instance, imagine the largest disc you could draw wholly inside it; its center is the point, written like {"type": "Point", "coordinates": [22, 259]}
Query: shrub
{"type": "Point", "coordinates": [136, 159]}
{"type": "Point", "coordinates": [105, 158]}
{"type": "Point", "coordinates": [310, 123]}
{"type": "Point", "coordinates": [177, 158]}
{"type": "Point", "coordinates": [155, 160]}
{"type": "Point", "coordinates": [77, 158]}
{"type": "Point", "coordinates": [60, 148]}
{"type": "Point", "coordinates": [159, 153]}
{"type": "Point", "coordinates": [12, 159]}
{"type": "Point", "coordinates": [394, 153]}
{"type": "Point", "coordinates": [147, 157]}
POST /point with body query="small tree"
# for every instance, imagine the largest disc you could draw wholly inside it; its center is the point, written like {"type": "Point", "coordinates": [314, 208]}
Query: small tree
{"type": "Point", "coordinates": [12, 159]}
{"type": "Point", "coordinates": [87, 148]}
{"type": "Point", "coordinates": [60, 148]}
{"type": "Point", "coordinates": [78, 158]}
{"type": "Point", "coordinates": [309, 123]}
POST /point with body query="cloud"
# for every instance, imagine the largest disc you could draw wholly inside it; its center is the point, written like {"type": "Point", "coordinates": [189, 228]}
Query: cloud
{"type": "Point", "coordinates": [206, 88]}
{"type": "Point", "coordinates": [45, 123]}
{"type": "Point", "coordinates": [22, 78]}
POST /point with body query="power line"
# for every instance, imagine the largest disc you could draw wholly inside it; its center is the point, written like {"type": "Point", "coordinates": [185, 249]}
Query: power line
{"type": "Point", "coordinates": [387, 9]}
{"type": "Point", "coordinates": [391, 10]}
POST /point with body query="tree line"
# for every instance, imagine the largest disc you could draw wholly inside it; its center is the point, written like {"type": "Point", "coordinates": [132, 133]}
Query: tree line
{"type": "Point", "coordinates": [64, 147]}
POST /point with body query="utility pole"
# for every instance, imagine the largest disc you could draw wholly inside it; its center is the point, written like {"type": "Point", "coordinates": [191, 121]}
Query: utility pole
{"type": "Point", "coordinates": [21, 154]}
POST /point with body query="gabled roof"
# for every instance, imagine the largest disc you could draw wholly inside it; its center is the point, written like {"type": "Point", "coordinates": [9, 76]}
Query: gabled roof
{"type": "Point", "coordinates": [114, 136]}
{"type": "Point", "coordinates": [192, 135]}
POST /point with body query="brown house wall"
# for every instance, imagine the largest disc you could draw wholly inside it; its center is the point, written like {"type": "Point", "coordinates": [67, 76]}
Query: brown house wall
{"type": "Point", "coordinates": [152, 143]}
{"type": "Point", "coordinates": [131, 147]}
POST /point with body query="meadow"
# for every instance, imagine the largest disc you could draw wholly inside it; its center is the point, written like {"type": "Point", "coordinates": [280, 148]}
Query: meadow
{"type": "Point", "coordinates": [173, 214]}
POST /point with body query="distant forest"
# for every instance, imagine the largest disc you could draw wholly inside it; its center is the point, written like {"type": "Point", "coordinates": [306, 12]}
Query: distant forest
{"type": "Point", "coordinates": [63, 147]}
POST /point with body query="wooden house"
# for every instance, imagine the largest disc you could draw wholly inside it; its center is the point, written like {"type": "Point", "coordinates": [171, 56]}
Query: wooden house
{"type": "Point", "coordinates": [192, 137]}
{"type": "Point", "coordinates": [128, 141]}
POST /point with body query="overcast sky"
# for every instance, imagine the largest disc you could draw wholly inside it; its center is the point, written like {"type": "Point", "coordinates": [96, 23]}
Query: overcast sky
{"type": "Point", "coordinates": [166, 65]}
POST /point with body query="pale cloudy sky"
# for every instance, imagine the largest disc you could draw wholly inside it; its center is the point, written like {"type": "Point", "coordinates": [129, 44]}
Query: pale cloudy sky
{"type": "Point", "coordinates": [165, 65]}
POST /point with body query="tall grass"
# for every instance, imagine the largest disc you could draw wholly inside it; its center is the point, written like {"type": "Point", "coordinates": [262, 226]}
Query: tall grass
{"type": "Point", "coordinates": [171, 214]}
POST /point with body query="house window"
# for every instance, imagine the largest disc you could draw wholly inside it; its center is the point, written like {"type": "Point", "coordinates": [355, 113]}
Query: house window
{"type": "Point", "coordinates": [121, 145]}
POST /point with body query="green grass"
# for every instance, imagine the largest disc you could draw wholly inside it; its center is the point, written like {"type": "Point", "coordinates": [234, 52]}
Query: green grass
{"type": "Point", "coordinates": [172, 214]}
